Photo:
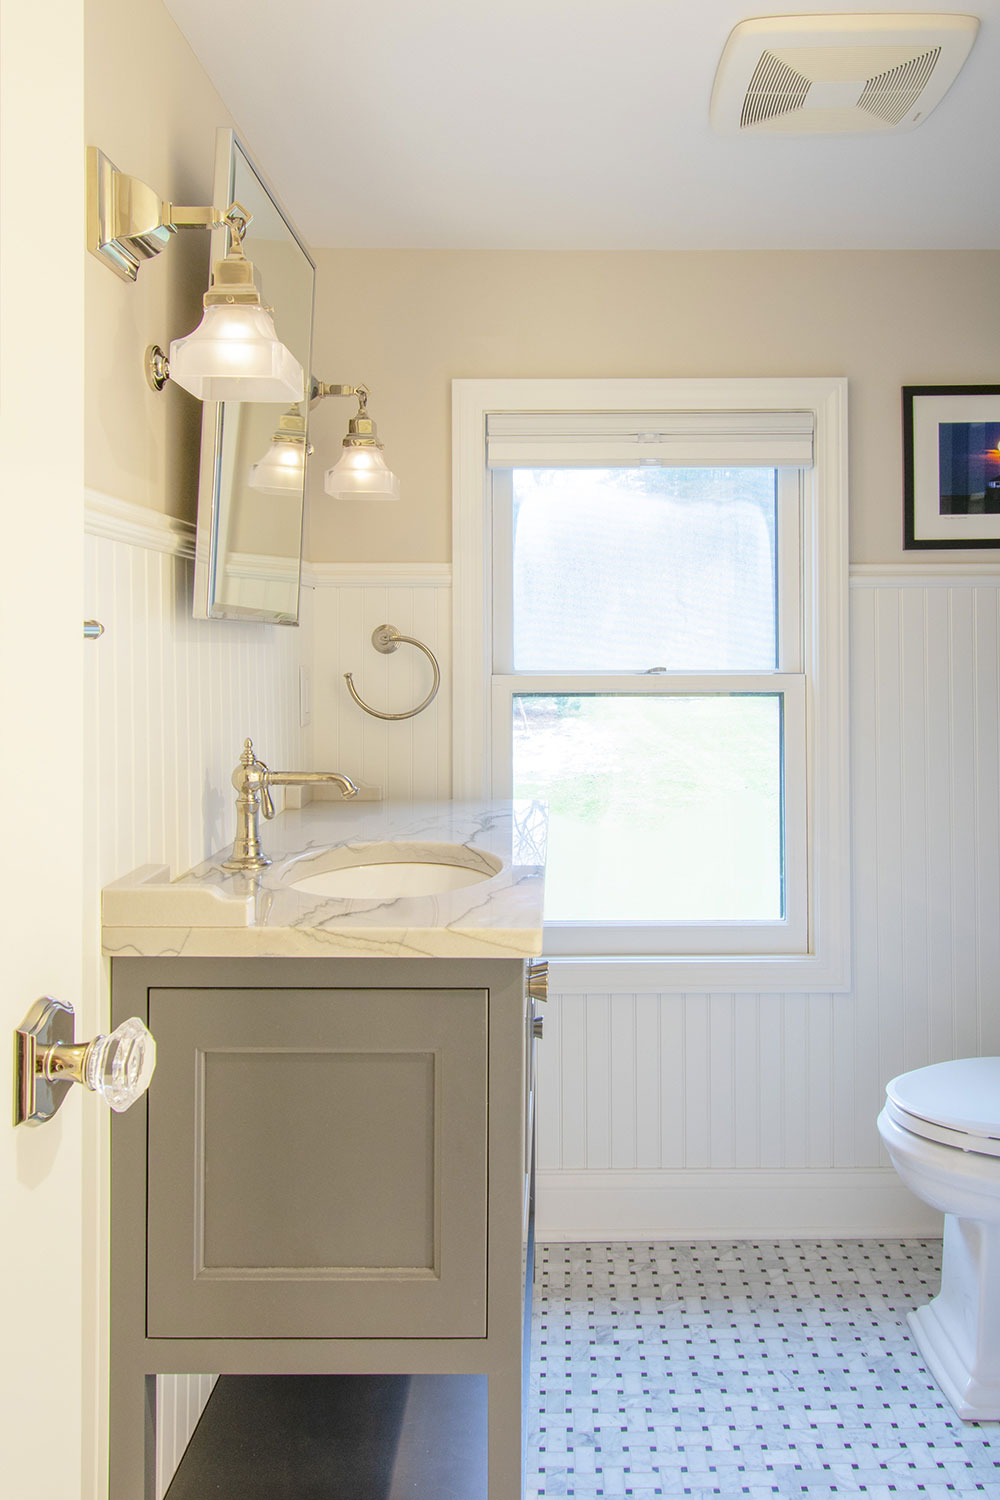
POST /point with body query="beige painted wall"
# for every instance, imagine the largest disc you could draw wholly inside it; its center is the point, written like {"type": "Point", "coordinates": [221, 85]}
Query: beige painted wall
{"type": "Point", "coordinates": [153, 110]}
{"type": "Point", "coordinates": [408, 322]}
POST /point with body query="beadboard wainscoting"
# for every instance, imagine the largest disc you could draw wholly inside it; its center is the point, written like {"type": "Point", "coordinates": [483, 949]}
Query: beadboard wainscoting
{"type": "Point", "coordinates": [661, 1115]}
{"type": "Point", "coordinates": [696, 1115]}
{"type": "Point", "coordinates": [170, 700]}
{"type": "Point", "coordinates": [687, 1115]}
{"type": "Point", "coordinates": [409, 759]}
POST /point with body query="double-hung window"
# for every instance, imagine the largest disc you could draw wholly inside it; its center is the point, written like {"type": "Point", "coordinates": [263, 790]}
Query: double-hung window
{"type": "Point", "coordinates": [650, 587]}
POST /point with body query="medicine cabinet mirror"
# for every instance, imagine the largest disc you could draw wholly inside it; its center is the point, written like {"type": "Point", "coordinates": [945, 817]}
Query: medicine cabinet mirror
{"type": "Point", "coordinates": [248, 545]}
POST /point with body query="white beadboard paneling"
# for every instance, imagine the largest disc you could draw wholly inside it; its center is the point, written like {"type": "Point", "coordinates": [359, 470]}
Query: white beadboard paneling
{"type": "Point", "coordinates": [987, 732]}
{"type": "Point", "coordinates": [766, 1073]}
{"type": "Point", "coordinates": [647, 1122]}
{"type": "Point", "coordinates": [574, 1071]}
{"type": "Point", "coordinates": [964, 825]}
{"type": "Point", "coordinates": [721, 1145]}
{"type": "Point", "coordinates": [792, 1083]}
{"type": "Point", "coordinates": [697, 1084]}
{"type": "Point", "coordinates": [600, 1074]}
{"type": "Point", "coordinates": [170, 700]}
{"type": "Point", "coordinates": [727, 1084]}
{"type": "Point", "coordinates": [746, 1089]}
{"type": "Point", "coordinates": [913, 813]}
{"type": "Point", "coordinates": [409, 759]}
{"type": "Point", "coordinates": [759, 1093]}
{"type": "Point", "coordinates": [623, 1091]}
{"type": "Point", "coordinates": [734, 1084]}
{"type": "Point", "coordinates": [673, 1067]}
{"type": "Point", "coordinates": [937, 729]}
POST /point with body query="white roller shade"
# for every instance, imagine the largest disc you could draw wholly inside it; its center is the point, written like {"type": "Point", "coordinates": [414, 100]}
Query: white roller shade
{"type": "Point", "coordinates": [740, 439]}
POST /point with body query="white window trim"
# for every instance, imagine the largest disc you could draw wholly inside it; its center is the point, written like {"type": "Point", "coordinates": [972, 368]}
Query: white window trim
{"type": "Point", "coordinates": [826, 967]}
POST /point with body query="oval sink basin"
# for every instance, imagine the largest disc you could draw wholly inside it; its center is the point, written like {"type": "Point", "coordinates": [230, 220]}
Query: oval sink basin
{"type": "Point", "coordinates": [388, 872]}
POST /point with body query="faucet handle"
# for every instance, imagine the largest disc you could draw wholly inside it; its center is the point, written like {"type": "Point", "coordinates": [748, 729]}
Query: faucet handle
{"type": "Point", "coordinates": [249, 761]}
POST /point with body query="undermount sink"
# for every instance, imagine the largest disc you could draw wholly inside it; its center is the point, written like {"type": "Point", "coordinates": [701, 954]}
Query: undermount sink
{"type": "Point", "coordinates": [390, 871]}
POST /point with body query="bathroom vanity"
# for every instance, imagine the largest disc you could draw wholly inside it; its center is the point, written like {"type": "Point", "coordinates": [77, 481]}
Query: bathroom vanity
{"type": "Point", "coordinates": [332, 1171]}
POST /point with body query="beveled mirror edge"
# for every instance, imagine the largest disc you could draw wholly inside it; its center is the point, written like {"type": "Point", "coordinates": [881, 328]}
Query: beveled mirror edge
{"type": "Point", "coordinates": [227, 143]}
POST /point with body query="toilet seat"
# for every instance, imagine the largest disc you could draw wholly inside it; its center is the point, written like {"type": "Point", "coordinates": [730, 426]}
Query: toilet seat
{"type": "Point", "coordinates": [954, 1103]}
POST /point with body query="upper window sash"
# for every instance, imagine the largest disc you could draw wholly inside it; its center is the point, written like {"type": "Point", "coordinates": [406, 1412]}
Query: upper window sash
{"type": "Point", "coordinates": [790, 500]}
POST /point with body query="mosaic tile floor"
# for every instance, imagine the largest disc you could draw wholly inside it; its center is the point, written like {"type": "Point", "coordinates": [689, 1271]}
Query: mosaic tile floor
{"type": "Point", "coordinates": [741, 1370]}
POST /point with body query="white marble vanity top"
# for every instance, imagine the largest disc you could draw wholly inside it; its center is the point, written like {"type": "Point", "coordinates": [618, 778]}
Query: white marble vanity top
{"type": "Point", "coordinates": [215, 913]}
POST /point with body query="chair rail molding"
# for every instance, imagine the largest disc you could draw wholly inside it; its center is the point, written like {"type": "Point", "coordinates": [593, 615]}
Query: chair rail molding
{"type": "Point", "coordinates": [124, 521]}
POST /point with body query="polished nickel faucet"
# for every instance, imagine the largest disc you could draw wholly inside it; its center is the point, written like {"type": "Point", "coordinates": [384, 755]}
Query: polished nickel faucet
{"type": "Point", "coordinates": [252, 781]}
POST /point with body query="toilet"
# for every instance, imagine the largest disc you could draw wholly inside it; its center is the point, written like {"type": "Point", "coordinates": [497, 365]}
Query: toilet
{"type": "Point", "coordinates": [941, 1127]}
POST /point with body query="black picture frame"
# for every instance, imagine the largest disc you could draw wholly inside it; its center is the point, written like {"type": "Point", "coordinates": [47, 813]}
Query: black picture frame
{"type": "Point", "coordinates": [951, 466]}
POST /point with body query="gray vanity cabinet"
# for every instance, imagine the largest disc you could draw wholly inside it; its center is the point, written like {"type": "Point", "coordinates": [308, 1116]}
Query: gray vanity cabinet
{"type": "Point", "coordinates": [317, 1163]}
{"type": "Point", "coordinates": [330, 1174]}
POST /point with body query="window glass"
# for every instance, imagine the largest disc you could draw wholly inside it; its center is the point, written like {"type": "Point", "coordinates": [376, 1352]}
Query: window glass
{"type": "Point", "coordinates": [630, 569]}
{"type": "Point", "coordinates": [662, 808]}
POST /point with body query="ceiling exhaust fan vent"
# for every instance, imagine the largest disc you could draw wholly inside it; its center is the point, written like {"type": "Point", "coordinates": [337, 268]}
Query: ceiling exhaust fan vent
{"type": "Point", "coordinates": [775, 89]}
{"type": "Point", "coordinates": [892, 94]}
{"type": "Point", "coordinates": [829, 75]}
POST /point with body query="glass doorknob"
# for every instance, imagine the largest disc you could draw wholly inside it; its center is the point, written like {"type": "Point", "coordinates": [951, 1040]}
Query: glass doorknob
{"type": "Point", "coordinates": [120, 1066]}
{"type": "Point", "coordinates": [47, 1061]}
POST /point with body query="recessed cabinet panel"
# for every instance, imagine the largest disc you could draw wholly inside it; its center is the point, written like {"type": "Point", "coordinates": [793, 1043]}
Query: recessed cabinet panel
{"type": "Point", "coordinates": [368, 1203]}
{"type": "Point", "coordinates": [317, 1164]}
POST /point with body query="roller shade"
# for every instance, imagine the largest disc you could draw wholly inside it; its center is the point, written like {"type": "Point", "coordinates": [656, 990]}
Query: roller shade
{"type": "Point", "coordinates": [732, 439]}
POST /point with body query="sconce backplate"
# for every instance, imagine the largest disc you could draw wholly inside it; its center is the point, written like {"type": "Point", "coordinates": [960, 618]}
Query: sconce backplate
{"type": "Point", "coordinates": [48, 1023]}
{"type": "Point", "coordinates": [126, 220]}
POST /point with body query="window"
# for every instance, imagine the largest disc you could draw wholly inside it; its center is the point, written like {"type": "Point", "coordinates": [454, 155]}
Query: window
{"type": "Point", "coordinates": [649, 638]}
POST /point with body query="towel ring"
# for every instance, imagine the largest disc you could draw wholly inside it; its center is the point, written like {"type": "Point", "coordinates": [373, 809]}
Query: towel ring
{"type": "Point", "coordinates": [385, 639]}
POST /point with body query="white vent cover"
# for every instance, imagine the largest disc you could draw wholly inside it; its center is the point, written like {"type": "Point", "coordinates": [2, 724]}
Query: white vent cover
{"type": "Point", "coordinates": [832, 75]}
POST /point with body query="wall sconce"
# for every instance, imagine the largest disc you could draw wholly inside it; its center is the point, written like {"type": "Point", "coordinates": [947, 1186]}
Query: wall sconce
{"type": "Point", "coordinates": [234, 354]}
{"type": "Point", "coordinates": [361, 473]}
{"type": "Point", "coordinates": [282, 469]}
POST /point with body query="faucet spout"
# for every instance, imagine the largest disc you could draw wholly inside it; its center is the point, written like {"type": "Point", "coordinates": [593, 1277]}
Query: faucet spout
{"type": "Point", "coordinates": [310, 778]}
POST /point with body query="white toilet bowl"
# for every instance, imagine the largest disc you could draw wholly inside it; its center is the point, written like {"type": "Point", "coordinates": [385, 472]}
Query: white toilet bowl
{"type": "Point", "coordinates": [941, 1126]}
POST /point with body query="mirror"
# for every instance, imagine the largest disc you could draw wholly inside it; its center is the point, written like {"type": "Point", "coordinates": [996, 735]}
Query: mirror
{"type": "Point", "coordinates": [248, 543]}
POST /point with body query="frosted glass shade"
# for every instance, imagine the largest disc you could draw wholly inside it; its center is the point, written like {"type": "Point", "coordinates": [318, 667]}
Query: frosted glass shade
{"type": "Point", "coordinates": [361, 474]}
{"type": "Point", "coordinates": [281, 470]}
{"type": "Point", "coordinates": [235, 355]}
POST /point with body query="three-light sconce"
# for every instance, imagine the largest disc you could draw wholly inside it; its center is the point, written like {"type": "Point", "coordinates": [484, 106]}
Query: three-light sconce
{"type": "Point", "coordinates": [235, 353]}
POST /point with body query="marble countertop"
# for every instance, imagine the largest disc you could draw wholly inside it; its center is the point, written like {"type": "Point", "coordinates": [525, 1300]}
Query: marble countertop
{"type": "Point", "coordinates": [210, 912]}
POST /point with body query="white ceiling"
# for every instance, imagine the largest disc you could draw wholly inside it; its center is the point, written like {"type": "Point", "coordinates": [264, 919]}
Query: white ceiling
{"type": "Point", "coordinates": [574, 124]}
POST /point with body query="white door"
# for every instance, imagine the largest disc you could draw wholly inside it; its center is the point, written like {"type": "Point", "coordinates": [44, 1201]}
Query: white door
{"type": "Point", "coordinates": [41, 514]}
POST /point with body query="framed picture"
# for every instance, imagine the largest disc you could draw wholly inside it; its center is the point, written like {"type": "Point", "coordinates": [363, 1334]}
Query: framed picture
{"type": "Point", "coordinates": [951, 465]}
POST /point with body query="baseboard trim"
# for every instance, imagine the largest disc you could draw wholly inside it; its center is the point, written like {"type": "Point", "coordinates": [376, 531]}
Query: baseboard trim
{"type": "Point", "coordinates": [864, 1203]}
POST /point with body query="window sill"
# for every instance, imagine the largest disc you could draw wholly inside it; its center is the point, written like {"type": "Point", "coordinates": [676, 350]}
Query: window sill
{"type": "Point", "coordinates": [739, 974]}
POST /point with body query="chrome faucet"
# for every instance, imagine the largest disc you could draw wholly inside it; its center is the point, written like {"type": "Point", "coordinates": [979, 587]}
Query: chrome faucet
{"type": "Point", "coordinates": [253, 781]}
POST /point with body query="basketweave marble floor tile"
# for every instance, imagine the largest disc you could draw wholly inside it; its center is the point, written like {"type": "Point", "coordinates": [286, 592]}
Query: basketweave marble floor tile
{"type": "Point", "coordinates": [743, 1371]}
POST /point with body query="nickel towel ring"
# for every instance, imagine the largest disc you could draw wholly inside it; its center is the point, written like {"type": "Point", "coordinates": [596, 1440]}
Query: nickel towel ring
{"type": "Point", "coordinates": [385, 639]}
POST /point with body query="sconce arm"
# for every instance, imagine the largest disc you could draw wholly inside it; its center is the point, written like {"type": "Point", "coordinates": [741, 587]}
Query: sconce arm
{"type": "Point", "coordinates": [320, 389]}
{"type": "Point", "coordinates": [185, 217]}
{"type": "Point", "coordinates": [361, 429]}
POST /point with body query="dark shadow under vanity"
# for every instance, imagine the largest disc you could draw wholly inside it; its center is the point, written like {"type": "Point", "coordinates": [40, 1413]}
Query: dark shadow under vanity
{"type": "Point", "coordinates": [327, 1191]}
{"type": "Point", "coordinates": [339, 1437]}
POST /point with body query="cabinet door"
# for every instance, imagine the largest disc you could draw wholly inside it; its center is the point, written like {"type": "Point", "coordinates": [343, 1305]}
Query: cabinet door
{"type": "Point", "coordinates": [317, 1164]}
